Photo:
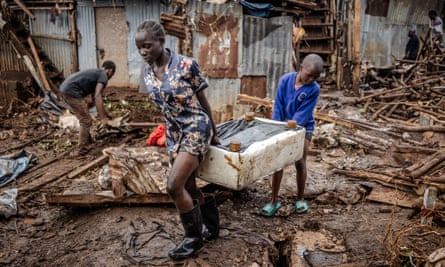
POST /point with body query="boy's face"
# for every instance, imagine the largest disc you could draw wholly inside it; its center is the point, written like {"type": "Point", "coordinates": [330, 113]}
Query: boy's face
{"type": "Point", "coordinates": [150, 47]}
{"type": "Point", "coordinates": [308, 74]}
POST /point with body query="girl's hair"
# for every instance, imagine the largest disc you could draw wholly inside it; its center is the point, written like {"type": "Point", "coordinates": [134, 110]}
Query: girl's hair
{"type": "Point", "coordinates": [152, 26]}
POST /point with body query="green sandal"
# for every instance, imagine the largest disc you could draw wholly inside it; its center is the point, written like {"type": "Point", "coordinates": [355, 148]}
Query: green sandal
{"type": "Point", "coordinates": [270, 209]}
{"type": "Point", "coordinates": [301, 206]}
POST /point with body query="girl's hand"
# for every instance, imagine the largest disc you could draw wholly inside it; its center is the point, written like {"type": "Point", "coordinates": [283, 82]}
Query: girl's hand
{"type": "Point", "coordinates": [215, 140]}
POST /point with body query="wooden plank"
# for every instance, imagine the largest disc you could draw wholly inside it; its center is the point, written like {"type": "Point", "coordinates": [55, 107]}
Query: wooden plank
{"type": "Point", "coordinates": [74, 36]}
{"type": "Point", "coordinates": [143, 124]}
{"type": "Point", "coordinates": [36, 184]}
{"type": "Point", "coordinates": [35, 140]}
{"type": "Point", "coordinates": [304, 4]}
{"type": "Point", "coordinates": [104, 198]}
{"type": "Point", "coordinates": [25, 9]}
{"type": "Point", "coordinates": [97, 162]}
{"type": "Point", "coordinates": [39, 64]}
{"type": "Point", "coordinates": [356, 46]}
{"type": "Point", "coordinates": [394, 197]}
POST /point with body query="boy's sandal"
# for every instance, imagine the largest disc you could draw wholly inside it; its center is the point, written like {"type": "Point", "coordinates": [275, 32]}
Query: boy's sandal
{"type": "Point", "coordinates": [301, 206]}
{"type": "Point", "coordinates": [270, 209]}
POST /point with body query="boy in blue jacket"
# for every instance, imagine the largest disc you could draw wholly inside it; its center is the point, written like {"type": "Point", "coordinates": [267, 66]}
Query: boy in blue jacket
{"type": "Point", "coordinates": [296, 98]}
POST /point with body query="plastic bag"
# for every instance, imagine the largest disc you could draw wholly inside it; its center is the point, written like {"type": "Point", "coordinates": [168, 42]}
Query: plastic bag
{"type": "Point", "coordinates": [12, 165]}
{"type": "Point", "coordinates": [8, 204]}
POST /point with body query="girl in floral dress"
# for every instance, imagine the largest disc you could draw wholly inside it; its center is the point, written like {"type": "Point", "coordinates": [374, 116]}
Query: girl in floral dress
{"type": "Point", "coordinates": [176, 85]}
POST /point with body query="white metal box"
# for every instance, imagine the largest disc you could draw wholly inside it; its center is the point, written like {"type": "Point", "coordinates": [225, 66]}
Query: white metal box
{"type": "Point", "coordinates": [236, 170]}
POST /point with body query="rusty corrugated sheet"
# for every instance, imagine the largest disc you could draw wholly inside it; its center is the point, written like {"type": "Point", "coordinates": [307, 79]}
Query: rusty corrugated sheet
{"type": "Point", "coordinates": [59, 51]}
{"type": "Point", "coordinates": [137, 11]}
{"type": "Point", "coordinates": [9, 63]}
{"type": "Point", "coordinates": [382, 39]}
{"type": "Point", "coordinates": [267, 48]}
{"type": "Point", "coordinates": [6, 94]}
{"type": "Point", "coordinates": [218, 55]}
{"type": "Point", "coordinates": [223, 90]}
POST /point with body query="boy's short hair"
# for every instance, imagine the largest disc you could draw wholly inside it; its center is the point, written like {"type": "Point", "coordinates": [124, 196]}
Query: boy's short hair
{"type": "Point", "coordinates": [313, 61]}
{"type": "Point", "coordinates": [432, 13]}
{"type": "Point", "coordinates": [108, 64]}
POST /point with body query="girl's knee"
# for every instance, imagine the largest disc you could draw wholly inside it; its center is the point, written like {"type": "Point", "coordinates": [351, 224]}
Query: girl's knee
{"type": "Point", "coordinates": [172, 189]}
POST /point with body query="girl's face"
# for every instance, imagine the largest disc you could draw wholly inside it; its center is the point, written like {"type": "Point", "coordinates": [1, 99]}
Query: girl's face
{"type": "Point", "coordinates": [149, 47]}
{"type": "Point", "coordinates": [308, 75]}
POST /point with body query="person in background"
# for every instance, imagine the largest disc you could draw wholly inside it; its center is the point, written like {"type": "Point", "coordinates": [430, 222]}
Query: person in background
{"type": "Point", "coordinates": [436, 26]}
{"type": "Point", "coordinates": [75, 91]}
{"type": "Point", "coordinates": [176, 85]}
{"type": "Point", "coordinates": [296, 98]}
{"type": "Point", "coordinates": [412, 47]}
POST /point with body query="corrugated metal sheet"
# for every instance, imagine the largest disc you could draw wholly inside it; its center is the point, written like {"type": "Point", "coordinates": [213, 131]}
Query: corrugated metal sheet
{"type": "Point", "coordinates": [267, 48]}
{"type": "Point", "coordinates": [384, 38]}
{"type": "Point", "coordinates": [9, 60]}
{"type": "Point", "coordinates": [59, 51]}
{"type": "Point", "coordinates": [407, 12]}
{"type": "Point", "coordinates": [138, 11]}
{"type": "Point", "coordinates": [86, 26]}
{"type": "Point", "coordinates": [221, 95]}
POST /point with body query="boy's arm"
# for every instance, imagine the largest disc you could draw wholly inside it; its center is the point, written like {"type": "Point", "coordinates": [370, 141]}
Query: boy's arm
{"type": "Point", "coordinates": [278, 106]}
{"type": "Point", "coordinates": [306, 110]}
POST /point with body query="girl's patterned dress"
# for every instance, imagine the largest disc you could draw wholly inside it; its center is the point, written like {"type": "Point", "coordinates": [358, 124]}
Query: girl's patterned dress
{"type": "Point", "coordinates": [188, 127]}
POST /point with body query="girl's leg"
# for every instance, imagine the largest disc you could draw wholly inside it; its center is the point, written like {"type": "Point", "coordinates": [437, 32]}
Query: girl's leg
{"type": "Point", "coordinates": [183, 167]}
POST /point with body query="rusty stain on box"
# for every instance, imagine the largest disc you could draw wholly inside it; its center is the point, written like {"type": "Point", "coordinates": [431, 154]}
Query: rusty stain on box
{"type": "Point", "coordinates": [236, 170]}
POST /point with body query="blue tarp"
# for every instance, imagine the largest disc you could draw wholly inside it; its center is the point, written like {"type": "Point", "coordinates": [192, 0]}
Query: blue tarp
{"type": "Point", "coordinates": [11, 166]}
{"type": "Point", "coordinates": [257, 9]}
{"type": "Point", "coordinates": [51, 104]}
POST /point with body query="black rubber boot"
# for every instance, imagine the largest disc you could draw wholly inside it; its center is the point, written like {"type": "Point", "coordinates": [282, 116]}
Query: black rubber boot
{"type": "Point", "coordinates": [210, 219]}
{"type": "Point", "coordinates": [192, 242]}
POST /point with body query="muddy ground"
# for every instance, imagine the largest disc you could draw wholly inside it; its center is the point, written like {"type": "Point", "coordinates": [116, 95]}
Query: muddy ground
{"type": "Point", "coordinates": [341, 228]}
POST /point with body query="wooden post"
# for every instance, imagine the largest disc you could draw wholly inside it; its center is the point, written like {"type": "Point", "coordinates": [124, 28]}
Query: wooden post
{"type": "Point", "coordinates": [25, 9]}
{"type": "Point", "coordinates": [75, 66]}
{"type": "Point", "coordinates": [356, 46]}
{"type": "Point", "coordinates": [39, 64]}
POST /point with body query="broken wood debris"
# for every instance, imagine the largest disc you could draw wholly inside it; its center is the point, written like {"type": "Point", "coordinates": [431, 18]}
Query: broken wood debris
{"type": "Point", "coordinates": [174, 25]}
{"type": "Point", "coordinates": [387, 141]}
{"type": "Point", "coordinates": [104, 197]}
{"type": "Point", "coordinates": [410, 92]}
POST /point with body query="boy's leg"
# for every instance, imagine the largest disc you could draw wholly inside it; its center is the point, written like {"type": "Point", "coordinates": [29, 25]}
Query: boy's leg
{"type": "Point", "coordinates": [271, 207]}
{"type": "Point", "coordinates": [276, 182]}
{"type": "Point", "coordinates": [301, 171]}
